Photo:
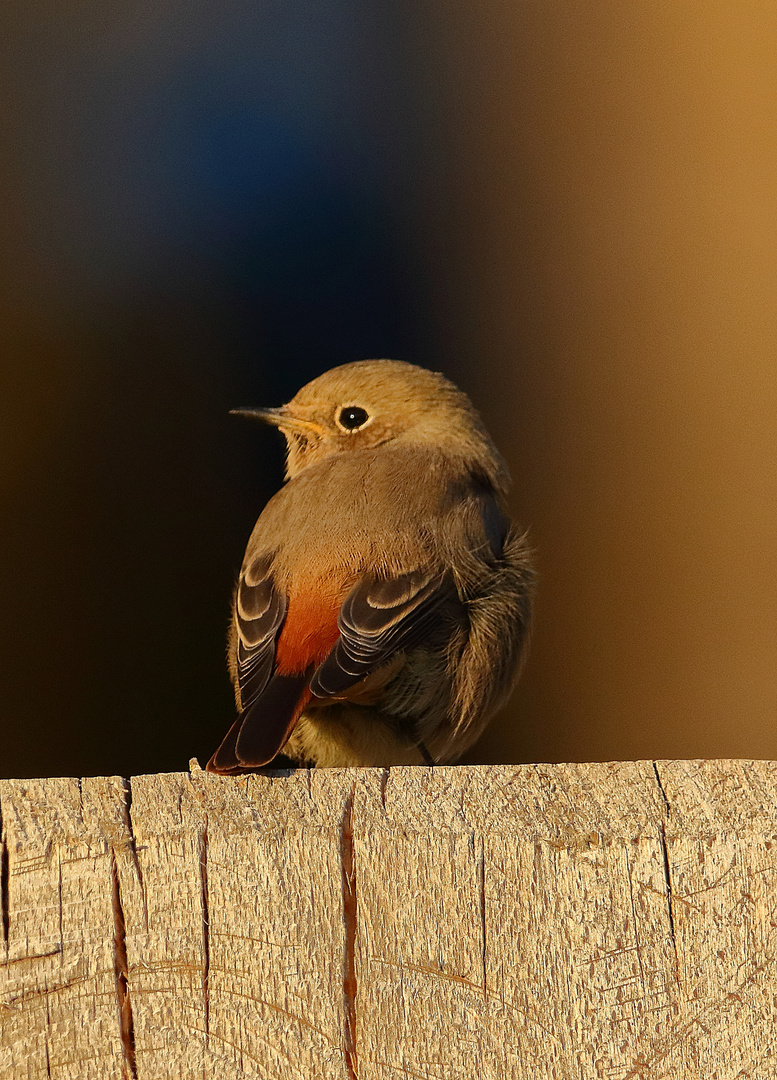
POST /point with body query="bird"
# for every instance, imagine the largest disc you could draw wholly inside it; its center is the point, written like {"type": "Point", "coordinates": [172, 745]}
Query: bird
{"type": "Point", "coordinates": [382, 611]}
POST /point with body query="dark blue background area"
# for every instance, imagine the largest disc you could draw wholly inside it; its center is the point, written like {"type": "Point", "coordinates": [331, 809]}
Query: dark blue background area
{"type": "Point", "coordinates": [207, 208]}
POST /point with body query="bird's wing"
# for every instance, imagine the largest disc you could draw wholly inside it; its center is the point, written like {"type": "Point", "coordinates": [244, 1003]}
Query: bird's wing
{"type": "Point", "coordinates": [260, 609]}
{"type": "Point", "coordinates": [268, 701]}
{"type": "Point", "coordinates": [381, 617]}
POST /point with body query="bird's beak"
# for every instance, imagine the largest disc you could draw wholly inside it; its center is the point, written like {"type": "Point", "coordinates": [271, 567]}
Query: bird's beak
{"type": "Point", "coordinates": [282, 418]}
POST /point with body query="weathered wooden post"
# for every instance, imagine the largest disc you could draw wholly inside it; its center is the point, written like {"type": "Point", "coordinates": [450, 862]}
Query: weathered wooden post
{"type": "Point", "coordinates": [608, 921]}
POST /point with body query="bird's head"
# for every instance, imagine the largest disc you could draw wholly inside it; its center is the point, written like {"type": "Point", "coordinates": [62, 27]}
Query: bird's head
{"type": "Point", "coordinates": [371, 402]}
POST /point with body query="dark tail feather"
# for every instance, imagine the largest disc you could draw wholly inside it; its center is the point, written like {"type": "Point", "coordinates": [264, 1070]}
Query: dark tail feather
{"type": "Point", "coordinates": [224, 760]}
{"type": "Point", "coordinates": [262, 730]}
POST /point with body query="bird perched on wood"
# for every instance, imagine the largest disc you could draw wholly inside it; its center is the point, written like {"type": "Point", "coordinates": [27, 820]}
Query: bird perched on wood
{"type": "Point", "coordinates": [383, 606]}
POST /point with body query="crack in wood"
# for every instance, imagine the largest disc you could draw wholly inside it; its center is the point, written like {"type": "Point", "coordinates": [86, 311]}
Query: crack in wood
{"type": "Point", "coordinates": [669, 894]}
{"type": "Point", "coordinates": [47, 990]}
{"type": "Point", "coordinates": [121, 972]}
{"type": "Point", "coordinates": [664, 799]}
{"type": "Point", "coordinates": [133, 844]}
{"type": "Point", "coordinates": [205, 927]}
{"type": "Point", "coordinates": [31, 956]}
{"type": "Point", "coordinates": [46, 1039]}
{"type": "Point", "coordinates": [667, 871]}
{"type": "Point", "coordinates": [59, 898]}
{"type": "Point", "coordinates": [350, 918]}
{"type": "Point", "coordinates": [5, 877]}
{"type": "Point", "coordinates": [482, 890]}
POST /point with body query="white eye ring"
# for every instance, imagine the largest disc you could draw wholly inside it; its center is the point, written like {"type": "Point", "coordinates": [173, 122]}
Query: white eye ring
{"type": "Point", "coordinates": [352, 418]}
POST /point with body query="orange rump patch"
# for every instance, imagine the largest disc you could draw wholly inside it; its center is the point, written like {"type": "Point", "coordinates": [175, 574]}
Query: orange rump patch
{"type": "Point", "coordinates": [309, 633]}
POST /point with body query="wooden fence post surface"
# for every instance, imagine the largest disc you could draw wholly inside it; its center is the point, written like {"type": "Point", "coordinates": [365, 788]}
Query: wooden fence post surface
{"type": "Point", "coordinates": [576, 922]}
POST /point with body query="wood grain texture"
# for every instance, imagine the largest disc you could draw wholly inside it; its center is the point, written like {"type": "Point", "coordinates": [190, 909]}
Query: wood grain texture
{"type": "Point", "coordinates": [608, 921]}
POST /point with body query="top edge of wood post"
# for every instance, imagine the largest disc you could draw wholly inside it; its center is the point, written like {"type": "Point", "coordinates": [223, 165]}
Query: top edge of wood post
{"type": "Point", "coordinates": [587, 802]}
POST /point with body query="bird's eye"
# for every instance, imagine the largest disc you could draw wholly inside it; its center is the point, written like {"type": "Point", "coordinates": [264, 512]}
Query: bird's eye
{"type": "Point", "coordinates": [352, 417]}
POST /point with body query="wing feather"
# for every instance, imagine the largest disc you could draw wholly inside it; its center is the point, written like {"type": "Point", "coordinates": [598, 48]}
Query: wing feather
{"type": "Point", "coordinates": [260, 609]}
{"type": "Point", "coordinates": [268, 702]}
{"type": "Point", "coordinates": [379, 618]}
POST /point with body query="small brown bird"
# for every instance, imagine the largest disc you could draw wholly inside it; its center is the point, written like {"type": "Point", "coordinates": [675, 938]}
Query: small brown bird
{"type": "Point", "coordinates": [383, 605]}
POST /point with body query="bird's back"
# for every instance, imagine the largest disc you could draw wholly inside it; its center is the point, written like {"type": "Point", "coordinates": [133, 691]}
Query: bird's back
{"type": "Point", "coordinates": [363, 510]}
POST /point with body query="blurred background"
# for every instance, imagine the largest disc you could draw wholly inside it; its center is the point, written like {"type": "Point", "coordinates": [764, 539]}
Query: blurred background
{"type": "Point", "coordinates": [568, 207]}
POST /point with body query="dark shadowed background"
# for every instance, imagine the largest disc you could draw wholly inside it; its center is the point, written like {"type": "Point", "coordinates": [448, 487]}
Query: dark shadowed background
{"type": "Point", "coordinates": [568, 207]}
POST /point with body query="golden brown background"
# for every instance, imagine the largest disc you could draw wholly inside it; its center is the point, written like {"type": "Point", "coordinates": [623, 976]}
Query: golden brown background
{"type": "Point", "coordinates": [569, 207]}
